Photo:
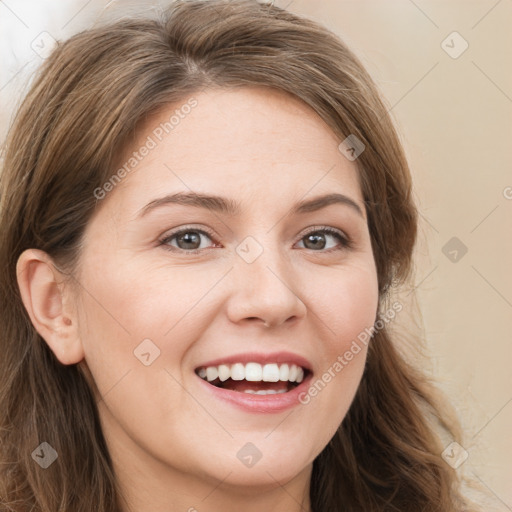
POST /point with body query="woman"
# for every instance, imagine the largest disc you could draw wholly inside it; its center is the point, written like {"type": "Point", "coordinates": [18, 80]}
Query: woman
{"type": "Point", "coordinates": [202, 218]}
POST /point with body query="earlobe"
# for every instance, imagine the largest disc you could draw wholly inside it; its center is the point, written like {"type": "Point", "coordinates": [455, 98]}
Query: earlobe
{"type": "Point", "coordinates": [44, 296]}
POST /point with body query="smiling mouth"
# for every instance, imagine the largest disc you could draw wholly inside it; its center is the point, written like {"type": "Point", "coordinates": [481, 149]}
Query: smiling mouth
{"type": "Point", "coordinates": [254, 378]}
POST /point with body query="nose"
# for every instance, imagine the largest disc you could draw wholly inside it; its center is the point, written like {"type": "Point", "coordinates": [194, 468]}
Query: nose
{"type": "Point", "coordinates": [263, 293]}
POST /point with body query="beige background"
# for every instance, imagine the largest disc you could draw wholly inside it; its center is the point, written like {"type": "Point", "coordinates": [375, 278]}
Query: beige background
{"type": "Point", "coordinates": [455, 119]}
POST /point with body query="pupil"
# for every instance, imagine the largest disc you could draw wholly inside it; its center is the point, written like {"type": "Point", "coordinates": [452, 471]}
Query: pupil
{"type": "Point", "coordinates": [317, 240]}
{"type": "Point", "coordinates": [188, 239]}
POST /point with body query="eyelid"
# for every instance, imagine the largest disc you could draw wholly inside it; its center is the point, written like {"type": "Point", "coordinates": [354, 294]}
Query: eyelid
{"type": "Point", "coordinates": [314, 229]}
{"type": "Point", "coordinates": [191, 227]}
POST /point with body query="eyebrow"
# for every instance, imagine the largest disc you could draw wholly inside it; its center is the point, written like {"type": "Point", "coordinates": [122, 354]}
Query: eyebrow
{"type": "Point", "coordinates": [230, 207]}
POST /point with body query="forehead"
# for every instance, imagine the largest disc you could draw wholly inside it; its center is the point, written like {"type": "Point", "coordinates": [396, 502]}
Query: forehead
{"type": "Point", "coordinates": [246, 142]}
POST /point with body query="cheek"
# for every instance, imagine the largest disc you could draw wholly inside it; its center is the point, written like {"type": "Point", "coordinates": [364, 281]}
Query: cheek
{"type": "Point", "coordinates": [346, 302]}
{"type": "Point", "coordinates": [126, 301]}
{"type": "Point", "coordinates": [346, 306]}
{"type": "Point", "coordinates": [148, 297]}
{"type": "Point", "coordinates": [347, 309]}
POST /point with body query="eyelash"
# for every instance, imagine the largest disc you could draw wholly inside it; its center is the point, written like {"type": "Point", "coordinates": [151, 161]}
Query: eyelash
{"type": "Point", "coordinates": [345, 242]}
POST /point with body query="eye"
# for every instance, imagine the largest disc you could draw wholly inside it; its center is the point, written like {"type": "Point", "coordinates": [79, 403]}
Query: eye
{"type": "Point", "coordinates": [318, 240]}
{"type": "Point", "coordinates": [189, 239]}
{"type": "Point", "coordinates": [186, 239]}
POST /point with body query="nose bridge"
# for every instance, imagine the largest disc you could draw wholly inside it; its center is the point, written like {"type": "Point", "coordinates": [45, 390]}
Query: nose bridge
{"type": "Point", "coordinates": [264, 282]}
{"type": "Point", "coordinates": [261, 257]}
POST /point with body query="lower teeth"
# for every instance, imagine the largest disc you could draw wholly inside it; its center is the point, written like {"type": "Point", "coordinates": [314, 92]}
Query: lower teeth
{"type": "Point", "coordinates": [265, 391]}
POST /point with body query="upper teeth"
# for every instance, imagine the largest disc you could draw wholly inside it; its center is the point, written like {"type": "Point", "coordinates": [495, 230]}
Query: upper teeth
{"type": "Point", "coordinates": [253, 372]}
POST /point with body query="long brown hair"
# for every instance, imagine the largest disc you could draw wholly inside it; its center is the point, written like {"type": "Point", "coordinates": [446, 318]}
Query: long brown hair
{"type": "Point", "coordinates": [86, 103]}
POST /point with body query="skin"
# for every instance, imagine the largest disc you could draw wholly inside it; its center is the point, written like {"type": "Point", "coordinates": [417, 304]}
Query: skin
{"type": "Point", "coordinates": [173, 447]}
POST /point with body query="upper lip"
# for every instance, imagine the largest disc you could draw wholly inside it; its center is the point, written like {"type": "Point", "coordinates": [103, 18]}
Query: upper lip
{"type": "Point", "coordinates": [258, 357]}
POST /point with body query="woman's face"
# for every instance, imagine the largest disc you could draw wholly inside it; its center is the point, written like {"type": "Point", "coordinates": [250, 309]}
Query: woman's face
{"type": "Point", "coordinates": [263, 275]}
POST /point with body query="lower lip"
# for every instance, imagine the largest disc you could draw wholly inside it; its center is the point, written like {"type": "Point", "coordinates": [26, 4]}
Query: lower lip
{"type": "Point", "coordinates": [248, 402]}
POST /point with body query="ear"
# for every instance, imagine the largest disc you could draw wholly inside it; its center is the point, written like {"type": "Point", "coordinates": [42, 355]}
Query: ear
{"type": "Point", "coordinates": [49, 305]}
